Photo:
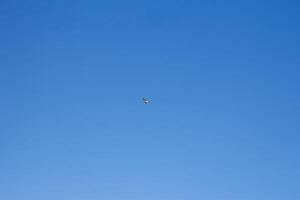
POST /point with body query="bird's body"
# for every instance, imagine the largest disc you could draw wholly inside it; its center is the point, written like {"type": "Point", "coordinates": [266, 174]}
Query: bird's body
{"type": "Point", "coordinates": [146, 101]}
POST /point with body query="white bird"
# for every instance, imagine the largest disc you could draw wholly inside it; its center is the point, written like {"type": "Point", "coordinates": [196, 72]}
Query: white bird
{"type": "Point", "coordinates": [146, 101]}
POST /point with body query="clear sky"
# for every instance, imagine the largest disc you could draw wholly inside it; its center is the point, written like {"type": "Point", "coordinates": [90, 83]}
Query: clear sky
{"type": "Point", "coordinates": [223, 77]}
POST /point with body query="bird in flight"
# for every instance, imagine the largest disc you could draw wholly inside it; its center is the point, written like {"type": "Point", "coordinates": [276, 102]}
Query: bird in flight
{"type": "Point", "coordinates": [146, 101]}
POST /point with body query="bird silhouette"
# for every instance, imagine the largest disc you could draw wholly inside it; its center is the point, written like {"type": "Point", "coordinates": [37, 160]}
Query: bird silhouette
{"type": "Point", "coordinates": [146, 101]}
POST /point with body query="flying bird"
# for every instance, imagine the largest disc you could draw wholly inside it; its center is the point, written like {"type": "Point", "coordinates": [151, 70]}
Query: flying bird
{"type": "Point", "coordinates": [146, 101]}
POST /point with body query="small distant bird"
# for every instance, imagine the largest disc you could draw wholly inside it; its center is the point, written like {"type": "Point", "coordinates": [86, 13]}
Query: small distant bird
{"type": "Point", "coordinates": [146, 101]}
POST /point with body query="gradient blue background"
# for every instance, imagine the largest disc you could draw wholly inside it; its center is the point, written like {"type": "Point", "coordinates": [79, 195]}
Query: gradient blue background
{"type": "Point", "coordinates": [223, 77]}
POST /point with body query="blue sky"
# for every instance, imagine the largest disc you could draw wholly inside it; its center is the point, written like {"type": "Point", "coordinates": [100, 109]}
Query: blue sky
{"type": "Point", "coordinates": [223, 77]}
